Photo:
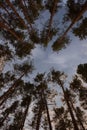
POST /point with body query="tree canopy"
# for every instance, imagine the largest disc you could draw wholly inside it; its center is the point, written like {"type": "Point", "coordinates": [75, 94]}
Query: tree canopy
{"type": "Point", "coordinates": [44, 101]}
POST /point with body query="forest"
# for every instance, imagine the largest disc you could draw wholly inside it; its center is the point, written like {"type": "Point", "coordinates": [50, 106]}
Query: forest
{"type": "Point", "coordinates": [37, 93]}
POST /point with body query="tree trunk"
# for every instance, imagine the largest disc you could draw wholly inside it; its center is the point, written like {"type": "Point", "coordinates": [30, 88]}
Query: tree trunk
{"type": "Point", "coordinates": [84, 8]}
{"type": "Point", "coordinates": [25, 14]}
{"type": "Point", "coordinates": [69, 108]}
{"type": "Point", "coordinates": [9, 15]}
{"type": "Point", "coordinates": [5, 27]}
{"type": "Point", "coordinates": [39, 117]}
{"type": "Point", "coordinates": [80, 122]}
{"type": "Point", "coordinates": [2, 6]}
{"type": "Point", "coordinates": [1, 121]}
{"type": "Point", "coordinates": [6, 22]}
{"type": "Point", "coordinates": [51, 19]}
{"type": "Point", "coordinates": [25, 114]}
{"type": "Point", "coordinates": [47, 110]}
{"type": "Point", "coordinates": [16, 13]}
{"type": "Point", "coordinates": [6, 95]}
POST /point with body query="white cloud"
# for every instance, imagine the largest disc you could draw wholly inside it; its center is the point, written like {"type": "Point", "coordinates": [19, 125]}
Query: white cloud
{"type": "Point", "coordinates": [55, 59]}
{"type": "Point", "coordinates": [38, 52]}
{"type": "Point", "coordinates": [62, 60]}
{"type": "Point", "coordinates": [66, 60]}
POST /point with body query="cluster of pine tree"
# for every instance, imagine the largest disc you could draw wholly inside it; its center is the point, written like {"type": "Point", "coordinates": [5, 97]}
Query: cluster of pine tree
{"type": "Point", "coordinates": [26, 104]}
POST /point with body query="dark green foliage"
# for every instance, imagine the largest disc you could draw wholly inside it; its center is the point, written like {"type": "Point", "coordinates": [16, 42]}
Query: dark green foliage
{"type": "Point", "coordinates": [61, 126]}
{"type": "Point", "coordinates": [8, 111]}
{"type": "Point", "coordinates": [81, 30]}
{"type": "Point", "coordinates": [80, 113]}
{"type": "Point", "coordinates": [75, 84]}
{"type": "Point", "coordinates": [18, 120]}
{"type": "Point", "coordinates": [56, 76]}
{"type": "Point", "coordinates": [18, 26]}
{"type": "Point", "coordinates": [49, 5]}
{"type": "Point", "coordinates": [34, 36]}
{"type": "Point", "coordinates": [59, 112]}
{"type": "Point", "coordinates": [78, 87]}
{"type": "Point", "coordinates": [6, 78]}
{"type": "Point", "coordinates": [74, 8]}
{"type": "Point", "coordinates": [39, 78]}
{"type": "Point", "coordinates": [25, 101]}
{"type": "Point", "coordinates": [83, 97]}
{"type": "Point", "coordinates": [12, 108]}
{"type": "Point", "coordinates": [58, 45]}
{"type": "Point", "coordinates": [29, 87]}
{"type": "Point", "coordinates": [25, 68]}
{"type": "Point", "coordinates": [61, 119]}
{"type": "Point", "coordinates": [5, 51]}
{"type": "Point", "coordinates": [23, 49]}
{"type": "Point", "coordinates": [82, 70]}
{"type": "Point", "coordinates": [47, 35]}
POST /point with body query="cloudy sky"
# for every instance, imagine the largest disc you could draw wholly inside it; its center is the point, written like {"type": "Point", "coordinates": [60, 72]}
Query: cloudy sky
{"type": "Point", "coordinates": [65, 60]}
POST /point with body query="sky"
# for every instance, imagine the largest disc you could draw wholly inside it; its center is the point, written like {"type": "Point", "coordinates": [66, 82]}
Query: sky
{"type": "Point", "coordinates": [66, 60]}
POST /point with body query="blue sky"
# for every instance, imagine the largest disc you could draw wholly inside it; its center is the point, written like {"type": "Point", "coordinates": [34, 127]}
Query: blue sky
{"type": "Point", "coordinates": [65, 60]}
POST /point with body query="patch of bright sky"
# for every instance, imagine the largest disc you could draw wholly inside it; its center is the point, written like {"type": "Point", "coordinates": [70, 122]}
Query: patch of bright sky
{"type": "Point", "coordinates": [66, 60]}
{"type": "Point", "coordinates": [64, 1]}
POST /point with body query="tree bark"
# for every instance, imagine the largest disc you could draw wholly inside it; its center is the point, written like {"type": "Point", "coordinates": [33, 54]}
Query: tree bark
{"type": "Point", "coordinates": [69, 108]}
{"type": "Point", "coordinates": [6, 22]}
{"type": "Point", "coordinates": [9, 14]}
{"type": "Point", "coordinates": [6, 95]}
{"type": "Point", "coordinates": [25, 115]}
{"type": "Point", "coordinates": [2, 6]}
{"type": "Point", "coordinates": [25, 14]}
{"type": "Point", "coordinates": [51, 19]}
{"type": "Point", "coordinates": [80, 122]}
{"type": "Point", "coordinates": [39, 117]}
{"type": "Point", "coordinates": [84, 8]}
{"type": "Point", "coordinates": [16, 13]}
{"type": "Point", "coordinates": [47, 110]}
{"type": "Point", "coordinates": [5, 27]}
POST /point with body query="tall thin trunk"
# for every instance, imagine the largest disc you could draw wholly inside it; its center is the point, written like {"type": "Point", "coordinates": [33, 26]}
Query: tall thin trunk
{"type": "Point", "coordinates": [84, 8]}
{"type": "Point", "coordinates": [25, 5]}
{"type": "Point", "coordinates": [2, 6]}
{"type": "Point", "coordinates": [7, 112]}
{"type": "Point", "coordinates": [69, 108]}
{"type": "Point", "coordinates": [9, 14]}
{"type": "Point", "coordinates": [47, 110]}
{"type": "Point", "coordinates": [16, 13]}
{"type": "Point", "coordinates": [3, 20]}
{"type": "Point", "coordinates": [39, 117]}
{"type": "Point", "coordinates": [5, 117]}
{"type": "Point", "coordinates": [51, 19]}
{"type": "Point", "coordinates": [25, 14]}
{"type": "Point", "coordinates": [6, 22]}
{"type": "Point", "coordinates": [6, 95]}
{"type": "Point", "coordinates": [80, 122]}
{"type": "Point", "coordinates": [58, 117]}
{"type": "Point", "coordinates": [5, 27]}
{"type": "Point", "coordinates": [25, 114]}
